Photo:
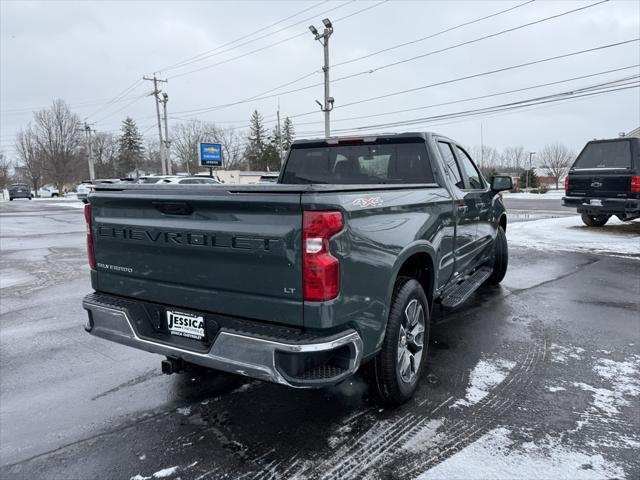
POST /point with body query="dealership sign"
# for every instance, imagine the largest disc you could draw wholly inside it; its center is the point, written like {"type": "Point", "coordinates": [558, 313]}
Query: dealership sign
{"type": "Point", "coordinates": [210, 154]}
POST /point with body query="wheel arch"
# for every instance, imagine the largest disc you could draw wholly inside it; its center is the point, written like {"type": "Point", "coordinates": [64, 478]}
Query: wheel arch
{"type": "Point", "coordinates": [415, 261]}
{"type": "Point", "coordinates": [502, 221]}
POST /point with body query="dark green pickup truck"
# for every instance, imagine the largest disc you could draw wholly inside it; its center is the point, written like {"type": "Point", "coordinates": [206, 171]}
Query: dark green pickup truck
{"type": "Point", "coordinates": [301, 282]}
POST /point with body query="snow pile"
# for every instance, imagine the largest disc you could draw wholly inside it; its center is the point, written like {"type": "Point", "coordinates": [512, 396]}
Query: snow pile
{"type": "Point", "coordinates": [562, 354]}
{"type": "Point", "coordinates": [570, 234]}
{"type": "Point", "coordinates": [495, 456]}
{"type": "Point", "coordinates": [555, 194]}
{"type": "Point", "coordinates": [486, 375]}
{"type": "Point", "coordinates": [622, 378]}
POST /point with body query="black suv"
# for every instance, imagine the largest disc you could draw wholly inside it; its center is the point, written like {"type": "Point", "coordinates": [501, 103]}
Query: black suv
{"type": "Point", "coordinates": [605, 180]}
{"type": "Point", "coordinates": [19, 190]}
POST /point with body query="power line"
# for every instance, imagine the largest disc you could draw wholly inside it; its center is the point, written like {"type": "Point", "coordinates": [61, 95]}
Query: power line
{"type": "Point", "coordinates": [135, 100]}
{"type": "Point", "coordinates": [441, 32]}
{"type": "Point", "coordinates": [76, 105]}
{"type": "Point", "coordinates": [480, 97]}
{"type": "Point", "coordinates": [119, 96]}
{"type": "Point", "coordinates": [399, 62]}
{"type": "Point", "coordinates": [206, 67]}
{"type": "Point", "coordinates": [475, 75]}
{"type": "Point", "coordinates": [501, 107]}
{"type": "Point", "coordinates": [449, 29]}
{"type": "Point", "coordinates": [204, 54]}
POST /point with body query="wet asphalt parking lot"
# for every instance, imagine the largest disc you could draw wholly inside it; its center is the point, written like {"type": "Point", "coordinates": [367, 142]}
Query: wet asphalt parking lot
{"type": "Point", "coordinates": [538, 378]}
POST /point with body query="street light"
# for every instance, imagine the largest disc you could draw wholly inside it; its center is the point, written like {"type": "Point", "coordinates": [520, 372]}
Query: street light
{"type": "Point", "coordinates": [531, 154]}
{"type": "Point", "coordinates": [323, 38]}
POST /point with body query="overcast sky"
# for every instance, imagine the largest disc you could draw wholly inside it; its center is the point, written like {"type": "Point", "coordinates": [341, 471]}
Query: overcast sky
{"type": "Point", "coordinates": [89, 52]}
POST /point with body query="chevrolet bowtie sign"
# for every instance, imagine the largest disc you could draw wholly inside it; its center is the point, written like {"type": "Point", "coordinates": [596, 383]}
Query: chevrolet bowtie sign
{"type": "Point", "coordinates": [210, 154]}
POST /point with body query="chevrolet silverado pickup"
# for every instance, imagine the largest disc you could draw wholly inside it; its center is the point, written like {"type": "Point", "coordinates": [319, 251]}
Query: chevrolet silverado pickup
{"type": "Point", "coordinates": [337, 265]}
{"type": "Point", "coordinates": [605, 180]}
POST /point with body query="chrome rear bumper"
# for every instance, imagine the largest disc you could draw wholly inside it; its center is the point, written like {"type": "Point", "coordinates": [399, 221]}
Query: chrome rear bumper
{"type": "Point", "coordinates": [269, 359]}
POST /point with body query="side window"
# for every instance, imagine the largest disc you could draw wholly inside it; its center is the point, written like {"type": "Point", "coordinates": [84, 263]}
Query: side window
{"type": "Point", "coordinates": [475, 179]}
{"type": "Point", "coordinates": [450, 164]}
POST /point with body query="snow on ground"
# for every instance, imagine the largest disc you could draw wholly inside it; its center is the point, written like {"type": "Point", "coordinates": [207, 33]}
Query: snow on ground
{"type": "Point", "coordinates": [570, 234]}
{"type": "Point", "coordinates": [10, 277]}
{"type": "Point", "coordinates": [496, 456]}
{"type": "Point", "coordinates": [550, 194]}
{"type": "Point", "coordinates": [486, 375]}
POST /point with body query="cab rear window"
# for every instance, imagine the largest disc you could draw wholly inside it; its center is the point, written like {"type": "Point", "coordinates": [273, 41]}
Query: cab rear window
{"type": "Point", "coordinates": [616, 154]}
{"type": "Point", "coordinates": [359, 164]}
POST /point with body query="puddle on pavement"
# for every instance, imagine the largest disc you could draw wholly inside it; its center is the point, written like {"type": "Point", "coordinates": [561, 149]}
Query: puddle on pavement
{"type": "Point", "coordinates": [529, 216]}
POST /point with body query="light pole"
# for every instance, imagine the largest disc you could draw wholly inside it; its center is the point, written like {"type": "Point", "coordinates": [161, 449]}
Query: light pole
{"type": "Point", "coordinates": [323, 38]}
{"type": "Point", "coordinates": [531, 154]}
{"type": "Point", "coordinates": [167, 143]}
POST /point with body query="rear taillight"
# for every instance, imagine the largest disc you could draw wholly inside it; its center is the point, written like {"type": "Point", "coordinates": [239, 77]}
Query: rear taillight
{"type": "Point", "coordinates": [90, 251]}
{"type": "Point", "coordinates": [635, 184]}
{"type": "Point", "coordinates": [321, 270]}
{"type": "Point", "coordinates": [566, 185]}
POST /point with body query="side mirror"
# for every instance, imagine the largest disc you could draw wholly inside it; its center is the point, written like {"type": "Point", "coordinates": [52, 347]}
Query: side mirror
{"type": "Point", "coordinates": [501, 182]}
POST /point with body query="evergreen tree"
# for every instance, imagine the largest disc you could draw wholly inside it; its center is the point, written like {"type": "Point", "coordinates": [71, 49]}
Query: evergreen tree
{"type": "Point", "coordinates": [288, 132]}
{"type": "Point", "coordinates": [130, 148]}
{"type": "Point", "coordinates": [255, 151]}
{"type": "Point", "coordinates": [533, 179]}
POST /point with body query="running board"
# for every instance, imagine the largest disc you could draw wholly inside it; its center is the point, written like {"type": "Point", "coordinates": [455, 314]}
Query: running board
{"type": "Point", "coordinates": [462, 291]}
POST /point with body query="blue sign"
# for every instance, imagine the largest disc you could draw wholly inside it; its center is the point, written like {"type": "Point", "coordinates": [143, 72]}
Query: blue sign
{"type": "Point", "coordinates": [210, 154]}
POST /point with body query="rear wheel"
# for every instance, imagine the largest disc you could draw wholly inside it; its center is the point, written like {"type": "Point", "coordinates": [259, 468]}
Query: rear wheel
{"type": "Point", "coordinates": [399, 364]}
{"type": "Point", "coordinates": [500, 258]}
{"type": "Point", "coordinates": [10, 199]}
{"type": "Point", "coordinates": [595, 220]}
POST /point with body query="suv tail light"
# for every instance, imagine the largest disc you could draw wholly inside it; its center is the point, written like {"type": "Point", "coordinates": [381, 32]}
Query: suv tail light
{"type": "Point", "coordinates": [635, 184]}
{"type": "Point", "coordinates": [566, 185]}
{"type": "Point", "coordinates": [320, 269]}
{"type": "Point", "coordinates": [90, 252]}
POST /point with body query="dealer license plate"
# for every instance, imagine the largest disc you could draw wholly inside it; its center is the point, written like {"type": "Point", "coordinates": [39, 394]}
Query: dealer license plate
{"type": "Point", "coordinates": [185, 324]}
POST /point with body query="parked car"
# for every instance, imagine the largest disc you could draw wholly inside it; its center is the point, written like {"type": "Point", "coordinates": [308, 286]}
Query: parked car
{"type": "Point", "coordinates": [48, 191]}
{"type": "Point", "coordinates": [19, 190]}
{"type": "Point", "coordinates": [86, 187]}
{"type": "Point", "coordinates": [605, 180]}
{"type": "Point", "coordinates": [183, 180]}
{"type": "Point", "coordinates": [268, 178]}
{"type": "Point", "coordinates": [336, 267]}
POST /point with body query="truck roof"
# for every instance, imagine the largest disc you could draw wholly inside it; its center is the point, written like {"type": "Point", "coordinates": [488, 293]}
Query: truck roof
{"type": "Point", "coordinates": [370, 137]}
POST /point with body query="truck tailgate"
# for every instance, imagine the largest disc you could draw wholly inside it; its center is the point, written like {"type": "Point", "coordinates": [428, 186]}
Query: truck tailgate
{"type": "Point", "coordinates": [225, 252]}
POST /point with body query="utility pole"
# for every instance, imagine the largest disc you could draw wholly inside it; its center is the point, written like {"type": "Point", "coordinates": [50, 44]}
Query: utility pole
{"type": "Point", "coordinates": [156, 94]}
{"type": "Point", "coordinates": [531, 154]}
{"type": "Point", "coordinates": [323, 38]}
{"type": "Point", "coordinates": [167, 142]}
{"type": "Point", "coordinates": [279, 131]}
{"type": "Point", "coordinates": [87, 132]}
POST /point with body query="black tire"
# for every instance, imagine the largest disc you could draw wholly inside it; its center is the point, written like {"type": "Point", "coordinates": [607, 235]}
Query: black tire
{"type": "Point", "coordinates": [393, 386]}
{"type": "Point", "coordinates": [54, 195]}
{"type": "Point", "coordinates": [10, 199]}
{"type": "Point", "coordinates": [500, 258]}
{"type": "Point", "coordinates": [595, 220]}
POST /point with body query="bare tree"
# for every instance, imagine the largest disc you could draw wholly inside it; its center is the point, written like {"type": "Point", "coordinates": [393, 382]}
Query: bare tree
{"type": "Point", "coordinates": [105, 154]}
{"type": "Point", "coordinates": [5, 168]}
{"type": "Point", "coordinates": [30, 162]}
{"type": "Point", "coordinates": [513, 159]}
{"type": "Point", "coordinates": [186, 136]}
{"type": "Point", "coordinates": [58, 137]}
{"type": "Point", "coordinates": [232, 148]}
{"type": "Point", "coordinates": [555, 159]}
{"type": "Point", "coordinates": [487, 158]}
